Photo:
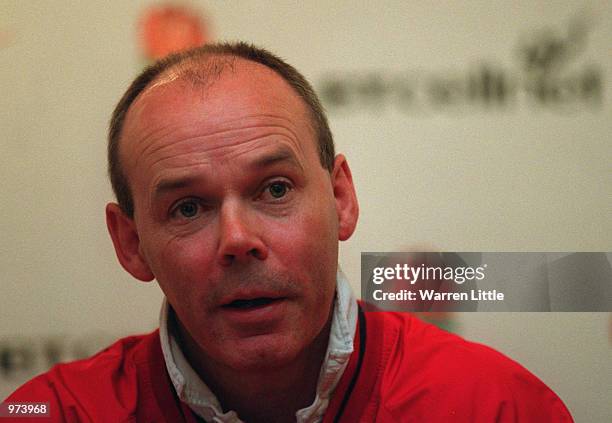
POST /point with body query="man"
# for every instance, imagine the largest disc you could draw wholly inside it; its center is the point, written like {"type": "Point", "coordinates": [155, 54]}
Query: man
{"type": "Point", "coordinates": [230, 196]}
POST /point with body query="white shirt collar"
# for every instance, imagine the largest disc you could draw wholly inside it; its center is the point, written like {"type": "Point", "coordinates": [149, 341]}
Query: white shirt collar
{"type": "Point", "coordinates": [194, 392]}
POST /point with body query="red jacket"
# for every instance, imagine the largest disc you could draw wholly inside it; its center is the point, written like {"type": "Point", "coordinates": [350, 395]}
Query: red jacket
{"type": "Point", "coordinates": [405, 371]}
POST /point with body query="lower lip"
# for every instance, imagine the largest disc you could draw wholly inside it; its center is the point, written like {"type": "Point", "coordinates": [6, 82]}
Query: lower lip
{"type": "Point", "coordinates": [250, 316]}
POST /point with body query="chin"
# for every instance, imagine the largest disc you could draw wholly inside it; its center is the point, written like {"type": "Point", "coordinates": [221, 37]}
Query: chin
{"type": "Point", "coordinates": [262, 353]}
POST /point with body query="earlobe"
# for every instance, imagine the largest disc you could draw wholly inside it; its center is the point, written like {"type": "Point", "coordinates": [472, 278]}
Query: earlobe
{"type": "Point", "coordinates": [127, 243]}
{"type": "Point", "coordinates": [347, 206]}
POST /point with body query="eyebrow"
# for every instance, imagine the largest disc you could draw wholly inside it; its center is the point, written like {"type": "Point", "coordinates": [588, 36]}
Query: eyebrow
{"type": "Point", "coordinates": [264, 161]}
{"type": "Point", "coordinates": [166, 185]}
{"type": "Point", "coordinates": [280, 155]}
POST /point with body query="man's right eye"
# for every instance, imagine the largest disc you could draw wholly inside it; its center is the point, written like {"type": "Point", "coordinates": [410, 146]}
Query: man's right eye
{"type": "Point", "coordinates": [186, 209]}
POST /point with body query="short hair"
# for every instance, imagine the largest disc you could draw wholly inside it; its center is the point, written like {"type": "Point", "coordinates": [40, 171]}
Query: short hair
{"type": "Point", "coordinates": [197, 56]}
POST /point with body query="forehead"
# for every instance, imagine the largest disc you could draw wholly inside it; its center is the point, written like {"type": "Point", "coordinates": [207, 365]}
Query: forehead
{"type": "Point", "coordinates": [243, 94]}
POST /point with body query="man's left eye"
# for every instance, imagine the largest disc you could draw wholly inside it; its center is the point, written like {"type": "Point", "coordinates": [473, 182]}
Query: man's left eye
{"type": "Point", "coordinates": [278, 189]}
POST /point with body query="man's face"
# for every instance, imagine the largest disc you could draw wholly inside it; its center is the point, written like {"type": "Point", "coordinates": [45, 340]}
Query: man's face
{"type": "Point", "coordinates": [234, 214]}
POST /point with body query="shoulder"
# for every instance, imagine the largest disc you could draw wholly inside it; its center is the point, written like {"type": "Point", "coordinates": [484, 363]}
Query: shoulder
{"type": "Point", "coordinates": [102, 385]}
{"type": "Point", "coordinates": [434, 371]}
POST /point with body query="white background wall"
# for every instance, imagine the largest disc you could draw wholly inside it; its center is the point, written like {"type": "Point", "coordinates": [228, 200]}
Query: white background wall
{"type": "Point", "coordinates": [525, 177]}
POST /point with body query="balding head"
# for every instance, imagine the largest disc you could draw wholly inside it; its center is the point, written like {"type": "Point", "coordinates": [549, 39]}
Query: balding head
{"type": "Point", "coordinates": [203, 66]}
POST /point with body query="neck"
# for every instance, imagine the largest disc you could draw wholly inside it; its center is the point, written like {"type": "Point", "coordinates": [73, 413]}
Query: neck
{"type": "Point", "coordinates": [273, 394]}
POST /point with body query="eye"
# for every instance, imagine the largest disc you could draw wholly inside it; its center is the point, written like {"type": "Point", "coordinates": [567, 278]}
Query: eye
{"type": "Point", "coordinates": [187, 209]}
{"type": "Point", "coordinates": [278, 189]}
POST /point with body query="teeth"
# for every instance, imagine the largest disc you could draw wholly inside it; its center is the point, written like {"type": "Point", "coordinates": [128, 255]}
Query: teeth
{"type": "Point", "coordinates": [250, 303]}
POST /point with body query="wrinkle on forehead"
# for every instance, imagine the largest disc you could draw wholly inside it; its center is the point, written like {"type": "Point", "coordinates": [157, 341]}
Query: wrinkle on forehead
{"type": "Point", "coordinates": [252, 103]}
{"type": "Point", "coordinates": [223, 152]}
{"type": "Point", "coordinates": [217, 144]}
{"type": "Point", "coordinates": [223, 132]}
{"type": "Point", "coordinates": [259, 157]}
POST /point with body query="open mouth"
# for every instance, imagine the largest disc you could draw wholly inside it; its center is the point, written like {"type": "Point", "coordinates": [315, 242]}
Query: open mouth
{"type": "Point", "coordinates": [251, 303]}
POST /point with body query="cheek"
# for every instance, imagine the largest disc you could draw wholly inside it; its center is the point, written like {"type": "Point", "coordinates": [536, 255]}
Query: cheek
{"type": "Point", "coordinates": [177, 263]}
{"type": "Point", "coordinates": [184, 278]}
{"type": "Point", "coordinates": [308, 247]}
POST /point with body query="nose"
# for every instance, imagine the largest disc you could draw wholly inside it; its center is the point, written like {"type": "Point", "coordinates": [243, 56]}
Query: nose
{"type": "Point", "coordinates": [239, 235]}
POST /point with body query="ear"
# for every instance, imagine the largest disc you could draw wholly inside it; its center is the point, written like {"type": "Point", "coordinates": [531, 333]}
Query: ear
{"type": "Point", "coordinates": [347, 206]}
{"type": "Point", "coordinates": [125, 238]}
